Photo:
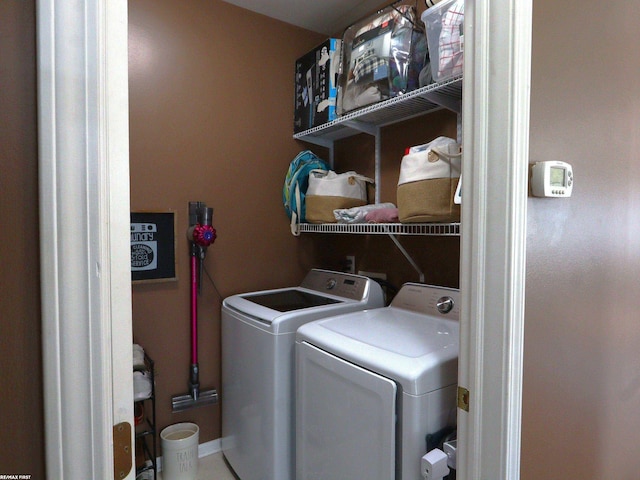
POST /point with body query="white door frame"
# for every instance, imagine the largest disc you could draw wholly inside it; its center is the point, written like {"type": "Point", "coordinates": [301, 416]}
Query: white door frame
{"type": "Point", "coordinates": [84, 229]}
{"type": "Point", "coordinates": [84, 208]}
{"type": "Point", "coordinates": [494, 212]}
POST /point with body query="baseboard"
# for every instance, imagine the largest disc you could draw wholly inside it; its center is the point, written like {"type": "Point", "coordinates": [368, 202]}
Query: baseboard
{"type": "Point", "coordinates": [209, 448]}
{"type": "Point", "coordinates": [204, 449]}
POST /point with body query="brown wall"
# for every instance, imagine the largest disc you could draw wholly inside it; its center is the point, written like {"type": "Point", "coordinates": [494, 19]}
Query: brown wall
{"type": "Point", "coordinates": [21, 405]}
{"type": "Point", "coordinates": [211, 120]}
{"type": "Point", "coordinates": [211, 112]}
{"type": "Point", "coordinates": [582, 362]}
{"type": "Point", "coordinates": [437, 257]}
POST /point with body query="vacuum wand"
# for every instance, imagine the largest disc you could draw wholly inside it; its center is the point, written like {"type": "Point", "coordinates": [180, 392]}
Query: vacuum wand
{"type": "Point", "coordinates": [201, 234]}
{"type": "Point", "coordinates": [194, 382]}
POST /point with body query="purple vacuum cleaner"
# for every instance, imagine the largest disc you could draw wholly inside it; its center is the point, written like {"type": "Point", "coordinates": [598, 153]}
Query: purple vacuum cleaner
{"type": "Point", "coordinates": [201, 234]}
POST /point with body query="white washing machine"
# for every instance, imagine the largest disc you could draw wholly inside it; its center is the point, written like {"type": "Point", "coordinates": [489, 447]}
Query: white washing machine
{"type": "Point", "coordinates": [258, 338]}
{"type": "Point", "coordinates": [372, 385]}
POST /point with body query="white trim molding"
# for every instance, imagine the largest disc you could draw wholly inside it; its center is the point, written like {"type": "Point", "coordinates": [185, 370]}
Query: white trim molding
{"type": "Point", "coordinates": [496, 93]}
{"type": "Point", "coordinates": [84, 228]}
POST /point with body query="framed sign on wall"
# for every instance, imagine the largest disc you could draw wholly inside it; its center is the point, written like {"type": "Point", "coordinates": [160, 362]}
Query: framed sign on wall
{"type": "Point", "coordinates": [153, 247]}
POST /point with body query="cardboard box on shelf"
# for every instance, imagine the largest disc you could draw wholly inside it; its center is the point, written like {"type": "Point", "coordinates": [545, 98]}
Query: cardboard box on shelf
{"type": "Point", "coordinates": [315, 85]}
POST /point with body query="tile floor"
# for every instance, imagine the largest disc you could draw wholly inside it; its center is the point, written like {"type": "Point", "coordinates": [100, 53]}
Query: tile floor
{"type": "Point", "coordinates": [212, 467]}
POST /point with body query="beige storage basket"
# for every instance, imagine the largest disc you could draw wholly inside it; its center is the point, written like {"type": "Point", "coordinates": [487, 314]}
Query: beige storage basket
{"type": "Point", "coordinates": [329, 191]}
{"type": "Point", "coordinates": [429, 176]}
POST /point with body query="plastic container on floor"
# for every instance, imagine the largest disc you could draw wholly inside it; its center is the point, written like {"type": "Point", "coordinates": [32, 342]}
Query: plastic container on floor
{"type": "Point", "coordinates": [180, 451]}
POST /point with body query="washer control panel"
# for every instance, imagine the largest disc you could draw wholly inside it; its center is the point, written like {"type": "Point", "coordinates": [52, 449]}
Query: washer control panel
{"type": "Point", "coordinates": [346, 285]}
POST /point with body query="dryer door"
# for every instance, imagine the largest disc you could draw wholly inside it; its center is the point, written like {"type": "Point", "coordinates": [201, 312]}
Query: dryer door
{"type": "Point", "coordinates": [345, 419]}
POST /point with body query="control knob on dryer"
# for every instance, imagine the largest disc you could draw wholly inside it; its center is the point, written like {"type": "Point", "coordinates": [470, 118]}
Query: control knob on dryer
{"type": "Point", "coordinates": [444, 304]}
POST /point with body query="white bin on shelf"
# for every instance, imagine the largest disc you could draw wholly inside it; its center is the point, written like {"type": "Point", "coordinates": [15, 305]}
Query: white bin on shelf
{"type": "Point", "coordinates": [444, 23]}
{"type": "Point", "coordinates": [180, 451]}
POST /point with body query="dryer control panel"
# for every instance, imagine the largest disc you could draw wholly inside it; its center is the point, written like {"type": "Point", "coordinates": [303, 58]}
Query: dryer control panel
{"type": "Point", "coordinates": [429, 300]}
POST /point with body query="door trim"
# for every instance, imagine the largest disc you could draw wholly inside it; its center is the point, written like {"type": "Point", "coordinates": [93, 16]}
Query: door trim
{"type": "Point", "coordinates": [84, 230]}
{"type": "Point", "coordinates": [496, 146]}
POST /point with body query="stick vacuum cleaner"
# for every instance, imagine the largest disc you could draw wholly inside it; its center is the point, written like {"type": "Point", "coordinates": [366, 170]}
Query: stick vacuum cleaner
{"type": "Point", "coordinates": [201, 234]}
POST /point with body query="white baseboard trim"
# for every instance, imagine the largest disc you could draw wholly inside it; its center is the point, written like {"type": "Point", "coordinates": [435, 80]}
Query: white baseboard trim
{"type": "Point", "coordinates": [204, 449]}
{"type": "Point", "coordinates": [209, 448]}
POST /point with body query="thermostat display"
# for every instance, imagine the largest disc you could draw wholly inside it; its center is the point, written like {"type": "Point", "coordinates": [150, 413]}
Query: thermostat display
{"type": "Point", "coordinates": [551, 179]}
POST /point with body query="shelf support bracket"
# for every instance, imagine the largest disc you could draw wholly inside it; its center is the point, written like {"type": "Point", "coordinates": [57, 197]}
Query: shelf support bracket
{"type": "Point", "coordinates": [408, 257]}
{"type": "Point", "coordinates": [362, 127]}
{"type": "Point", "coordinates": [446, 101]}
{"type": "Point", "coordinates": [374, 131]}
{"type": "Point", "coordinates": [322, 142]}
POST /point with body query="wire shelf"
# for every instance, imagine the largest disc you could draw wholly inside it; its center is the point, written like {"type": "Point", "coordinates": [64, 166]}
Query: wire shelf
{"type": "Point", "coordinates": [447, 94]}
{"type": "Point", "coordinates": [418, 102]}
{"type": "Point", "coordinates": [441, 229]}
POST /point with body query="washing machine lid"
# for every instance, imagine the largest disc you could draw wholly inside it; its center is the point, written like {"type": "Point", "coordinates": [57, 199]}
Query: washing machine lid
{"type": "Point", "coordinates": [289, 299]}
{"type": "Point", "coordinates": [322, 293]}
{"type": "Point", "coordinates": [419, 351]}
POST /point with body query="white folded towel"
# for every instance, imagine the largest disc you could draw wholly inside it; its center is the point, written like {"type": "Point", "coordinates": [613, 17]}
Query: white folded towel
{"type": "Point", "coordinates": [141, 385]}
{"type": "Point", "coordinates": [138, 357]}
{"type": "Point", "coordinates": [358, 214]}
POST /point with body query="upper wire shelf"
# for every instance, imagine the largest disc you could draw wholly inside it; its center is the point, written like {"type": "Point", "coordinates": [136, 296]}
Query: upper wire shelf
{"type": "Point", "coordinates": [447, 94]}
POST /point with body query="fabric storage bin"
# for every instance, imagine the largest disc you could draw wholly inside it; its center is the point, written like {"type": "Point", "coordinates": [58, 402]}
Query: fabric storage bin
{"type": "Point", "coordinates": [382, 56]}
{"type": "Point", "coordinates": [444, 23]}
{"type": "Point", "coordinates": [329, 191]}
{"type": "Point", "coordinates": [429, 175]}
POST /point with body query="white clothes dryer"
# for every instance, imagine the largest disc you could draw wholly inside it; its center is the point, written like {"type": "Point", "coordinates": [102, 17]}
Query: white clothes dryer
{"type": "Point", "coordinates": [258, 338]}
{"type": "Point", "coordinates": [372, 385]}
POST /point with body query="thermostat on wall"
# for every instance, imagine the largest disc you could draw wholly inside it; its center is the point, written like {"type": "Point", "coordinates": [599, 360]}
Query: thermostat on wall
{"type": "Point", "coordinates": [551, 179]}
